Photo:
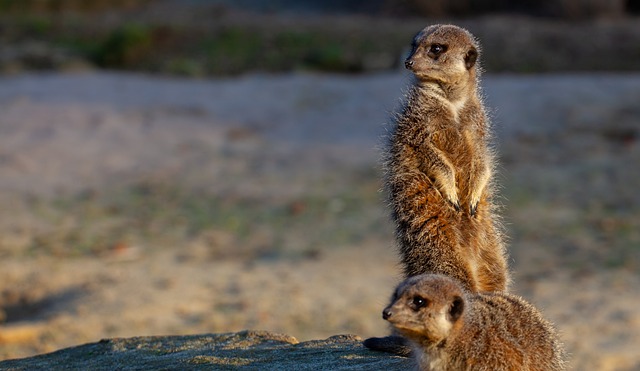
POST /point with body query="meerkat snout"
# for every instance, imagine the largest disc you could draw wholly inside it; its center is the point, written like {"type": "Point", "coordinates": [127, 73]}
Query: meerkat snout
{"type": "Point", "coordinates": [408, 63]}
{"type": "Point", "coordinates": [386, 313]}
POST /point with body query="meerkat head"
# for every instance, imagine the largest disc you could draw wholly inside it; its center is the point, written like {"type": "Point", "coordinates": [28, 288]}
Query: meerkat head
{"type": "Point", "coordinates": [425, 308]}
{"type": "Point", "coordinates": [445, 54]}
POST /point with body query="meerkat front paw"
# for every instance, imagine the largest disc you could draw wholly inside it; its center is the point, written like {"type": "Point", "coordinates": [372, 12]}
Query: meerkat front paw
{"type": "Point", "coordinates": [478, 184]}
{"type": "Point", "coordinates": [454, 201]}
{"type": "Point", "coordinates": [450, 193]}
{"type": "Point", "coordinates": [456, 205]}
{"type": "Point", "coordinates": [473, 209]}
{"type": "Point", "coordinates": [474, 202]}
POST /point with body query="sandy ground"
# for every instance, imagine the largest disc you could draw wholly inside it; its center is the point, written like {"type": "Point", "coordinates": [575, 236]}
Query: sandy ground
{"type": "Point", "coordinates": [135, 205]}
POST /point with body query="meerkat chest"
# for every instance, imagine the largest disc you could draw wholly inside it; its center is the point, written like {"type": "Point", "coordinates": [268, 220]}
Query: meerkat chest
{"type": "Point", "coordinates": [450, 135]}
{"type": "Point", "coordinates": [432, 360]}
{"type": "Point", "coordinates": [456, 108]}
{"type": "Point", "coordinates": [447, 139]}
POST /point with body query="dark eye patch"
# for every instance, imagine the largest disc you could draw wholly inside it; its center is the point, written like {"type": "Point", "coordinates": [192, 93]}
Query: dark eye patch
{"type": "Point", "coordinates": [419, 302]}
{"type": "Point", "coordinates": [436, 50]}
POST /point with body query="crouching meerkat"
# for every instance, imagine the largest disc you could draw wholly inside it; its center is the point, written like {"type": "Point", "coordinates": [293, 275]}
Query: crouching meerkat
{"type": "Point", "coordinates": [451, 329]}
{"type": "Point", "coordinates": [439, 167]}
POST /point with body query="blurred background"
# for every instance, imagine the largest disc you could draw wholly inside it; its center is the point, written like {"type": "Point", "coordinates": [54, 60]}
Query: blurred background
{"type": "Point", "coordinates": [221, 38]}
{"type": "Point", "coordinates": [178, 167]}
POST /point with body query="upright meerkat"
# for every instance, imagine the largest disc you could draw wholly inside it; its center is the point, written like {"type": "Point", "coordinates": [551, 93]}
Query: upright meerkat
{"type": "Point", "coordinates": [451, 329]}
{"type": "Point", "coordinates": [439, 166]}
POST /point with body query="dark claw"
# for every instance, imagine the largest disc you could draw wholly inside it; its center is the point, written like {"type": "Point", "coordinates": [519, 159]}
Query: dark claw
{"type": "Point", "coordinates": [456, 206]}
{"type": "Point", "coordinates": [473, 209]}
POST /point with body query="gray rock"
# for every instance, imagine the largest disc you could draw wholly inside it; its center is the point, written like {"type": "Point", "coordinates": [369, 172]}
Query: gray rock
{"type": "Point", "coordinates": [246, 350]}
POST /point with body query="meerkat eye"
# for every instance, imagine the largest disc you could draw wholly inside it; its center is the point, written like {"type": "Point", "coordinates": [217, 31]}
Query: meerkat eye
{"type": "Point", "coordinates": [419, 302]}
{"type": "Point", "coordinates": [437, 49]}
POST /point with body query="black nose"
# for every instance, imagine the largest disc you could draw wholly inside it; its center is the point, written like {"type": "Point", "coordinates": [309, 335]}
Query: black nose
{"type": "Point", "coordinates": [408, 64]}
{"type": "Point", "coordinates": [386, 314]}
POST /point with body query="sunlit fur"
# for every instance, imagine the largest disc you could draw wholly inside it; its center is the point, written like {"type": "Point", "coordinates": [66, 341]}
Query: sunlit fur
{"type": "Point", "coordinates": [439, 168]}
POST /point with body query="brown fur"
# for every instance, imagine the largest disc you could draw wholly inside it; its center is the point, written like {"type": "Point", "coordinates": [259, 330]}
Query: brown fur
{"type": "Point", "coordinates": [451, 329]}
{"type": "Point", "coordinates": [439, 167]}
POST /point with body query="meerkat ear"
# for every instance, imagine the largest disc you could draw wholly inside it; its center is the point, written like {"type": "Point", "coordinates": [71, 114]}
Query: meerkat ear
{"type": "Point", "coordinates": [470, 58]}
{"type": "Point", "coordinates": [457, 307]}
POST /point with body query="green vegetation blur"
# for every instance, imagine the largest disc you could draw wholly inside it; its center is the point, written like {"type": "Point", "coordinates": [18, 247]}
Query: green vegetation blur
{"type": "Point", "coordinates": [212, 38]}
